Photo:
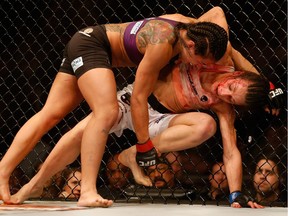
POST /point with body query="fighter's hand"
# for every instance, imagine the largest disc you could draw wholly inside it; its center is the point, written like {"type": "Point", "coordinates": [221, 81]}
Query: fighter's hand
{"type": "Point", "coordinates": [238, 200]}
{"type": "Point", "coordinates": [146, 154]}
{"type": "Point", "coordinates": [250, 204]}
{"type": "Point", "coordinates": [274, 112]}
{"type": "Point", "coordinates": [275, 100]}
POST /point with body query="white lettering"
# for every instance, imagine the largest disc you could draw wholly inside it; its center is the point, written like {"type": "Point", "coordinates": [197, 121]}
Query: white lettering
{"type": "Point", "coordinates": [136, 27]}
{"type": "Point", "coordinates": [148, 163]}
{"type": "Point", "coordinates": [276, 92]}
{"type": "Point", "coordinates": [76, 63]}
{"type": "Point", "coordinates": [84, 33]}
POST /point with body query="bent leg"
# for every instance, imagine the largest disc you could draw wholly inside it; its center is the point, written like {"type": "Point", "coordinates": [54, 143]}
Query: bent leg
{"type": "Point", "coordinates": [65, 152]}
{"type": "Point", "coordinates": [184, 131]}
{"type": "Point", "coordinates": [55, 108]}
{"type": "Point", "coordinates": [98, 87]}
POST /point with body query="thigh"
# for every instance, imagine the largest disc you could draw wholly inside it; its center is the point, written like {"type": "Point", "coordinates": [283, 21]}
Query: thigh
{"type": "Point", "coordinates": [64, 95]}
{"type": "Point", "coordinates": [190, 118]}
{"type": "Point", "coordinates": [158, 122]}
{"type": "Point", "coordinates": [98, 86]}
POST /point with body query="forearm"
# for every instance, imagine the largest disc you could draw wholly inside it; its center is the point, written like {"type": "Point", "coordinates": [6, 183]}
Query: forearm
{"type": "Point", "coordinates": [233, 165]}
{"type": "Point", "coordinates": [140, 117]}
{"type": "Point", "coordinates": [231, 154]}
{"type": "Point", "coordinates": [242, 63]}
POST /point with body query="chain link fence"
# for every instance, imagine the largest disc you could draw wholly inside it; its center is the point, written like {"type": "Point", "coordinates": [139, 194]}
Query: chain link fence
{"type": "Point", "coordinates": [33, 36]}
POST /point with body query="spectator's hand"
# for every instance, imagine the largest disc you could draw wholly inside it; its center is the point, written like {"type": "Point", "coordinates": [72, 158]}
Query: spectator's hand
{"type": "Point", "coordinates": [237, 200]}
{"type": "Point", "coordinates": [146, 154]}
{"type": "Point", "coordinates": [276, 101]}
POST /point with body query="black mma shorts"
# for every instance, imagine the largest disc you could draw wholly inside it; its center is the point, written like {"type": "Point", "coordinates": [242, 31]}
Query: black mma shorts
{"type": "Point", "coordinates": [89, 48]}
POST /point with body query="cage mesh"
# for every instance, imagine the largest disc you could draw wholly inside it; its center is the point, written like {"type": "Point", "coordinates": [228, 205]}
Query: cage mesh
{"type": "Point", "coordinates": [33, 37]}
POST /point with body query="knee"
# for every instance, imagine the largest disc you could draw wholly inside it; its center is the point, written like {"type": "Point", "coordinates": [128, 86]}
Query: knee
{"type": "Point", "coordinates": [113, 115]}
{"type": "Point", "coordinates": [107, 115]}
{"type": "Point", "coordinates": [208, 126]}
{"type": "Point", "coordinates": [50, 118]}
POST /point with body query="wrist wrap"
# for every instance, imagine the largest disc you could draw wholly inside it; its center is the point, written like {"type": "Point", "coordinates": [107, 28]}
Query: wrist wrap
{"type": "Point", "coordinates": [146, 154]}
{"type": "Point", "coordinates": [233, 196]}
{"type": "Point", "coordinates": [271, 86]}
{"type": "Point", "coordinates": [239, 197]}
{"type": "Point", "coordinates": [145, 147]}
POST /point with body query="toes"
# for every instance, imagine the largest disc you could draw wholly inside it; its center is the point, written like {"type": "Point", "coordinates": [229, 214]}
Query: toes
{"type": "Point", "coordinates": [98, 202]}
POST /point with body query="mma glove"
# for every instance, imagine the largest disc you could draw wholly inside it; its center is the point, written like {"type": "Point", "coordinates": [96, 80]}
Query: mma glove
{"type": "Point", "coordinates": [146, 154]}
{"type": "Point", "coordinates": [239, 197]}
{"type": "Point", "coordinates": [276, 98]}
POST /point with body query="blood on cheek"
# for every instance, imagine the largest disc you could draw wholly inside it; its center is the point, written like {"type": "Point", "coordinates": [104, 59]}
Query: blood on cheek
{"type": "Point", "coordinates": [222, 84]}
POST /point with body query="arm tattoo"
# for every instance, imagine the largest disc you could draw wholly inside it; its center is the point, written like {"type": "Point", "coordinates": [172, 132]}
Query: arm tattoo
{"type": "Point", "coordinates": [156, 32]}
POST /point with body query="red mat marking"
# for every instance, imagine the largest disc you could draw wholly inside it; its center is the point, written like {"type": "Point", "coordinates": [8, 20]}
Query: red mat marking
{"type": "Point", "coordinates": [39, 207]}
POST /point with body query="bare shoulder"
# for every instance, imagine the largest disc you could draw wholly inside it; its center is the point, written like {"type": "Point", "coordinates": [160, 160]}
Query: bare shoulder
{"type": "Point", "coordinates": [179, 18]}
{"type": "Point", "coordinates": [116, 27]}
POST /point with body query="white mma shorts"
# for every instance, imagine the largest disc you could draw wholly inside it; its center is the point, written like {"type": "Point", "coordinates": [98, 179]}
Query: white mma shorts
{"type": "Point", "coordinates": [158, 122]}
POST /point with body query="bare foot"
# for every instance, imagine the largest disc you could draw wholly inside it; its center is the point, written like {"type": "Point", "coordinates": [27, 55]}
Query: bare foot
{"type": "Point", "coordinates": [93, 200]}
{"type": "Point", "coordinates": [4, 191]}
{"type": "Point", "coordinates": [26, 192]}
{"type": "Point", "coordinates": [128, 158]}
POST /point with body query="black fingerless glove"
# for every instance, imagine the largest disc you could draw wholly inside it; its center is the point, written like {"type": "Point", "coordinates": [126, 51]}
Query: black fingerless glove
{"type": "Point", "coordinates": [276, 98]}
{"type": "Point", "coordinates": [146, 154]}
{"type": "Point", "coordinates": [239, 197]}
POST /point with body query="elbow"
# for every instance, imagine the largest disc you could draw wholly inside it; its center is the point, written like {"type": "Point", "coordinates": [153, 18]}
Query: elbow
{"type": "Point", "coordinates": [208, 126]}
{"type": "Point", "coordinates": [217, 12]}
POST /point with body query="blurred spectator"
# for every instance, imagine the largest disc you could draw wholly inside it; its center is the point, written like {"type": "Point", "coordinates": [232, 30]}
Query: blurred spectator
{"type": "Point", "coordinates": [218, 188]}
{"type": "Point", "coordinates": [268, 181]}
{"type": "Point", "coordinates": [193, 168]}
{"type": "Point", "coordinates": [162, 174]}
{"type": "Point", "coordinates": [72, 185]}
{"type": "Point", "coordinates": [118, 175]}
{"type": "Point", "coordinates": [193, 163]}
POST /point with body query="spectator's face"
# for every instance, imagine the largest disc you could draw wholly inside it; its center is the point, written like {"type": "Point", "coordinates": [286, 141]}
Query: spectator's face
{"type": "Point", "coordinates": [117, 174]}
{"type": "Point", "coordinates": [266, 178]}
{"type": "Point", "coordinates": [218, 177]}
{"type": "Point", "coordinates": [73, 185]}
{"type": "Point", "coordinates": [161, 175]}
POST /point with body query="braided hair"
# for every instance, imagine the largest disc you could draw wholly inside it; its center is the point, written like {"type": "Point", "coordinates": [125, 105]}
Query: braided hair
{"type": "Point", "coordinates": [208, 38]}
